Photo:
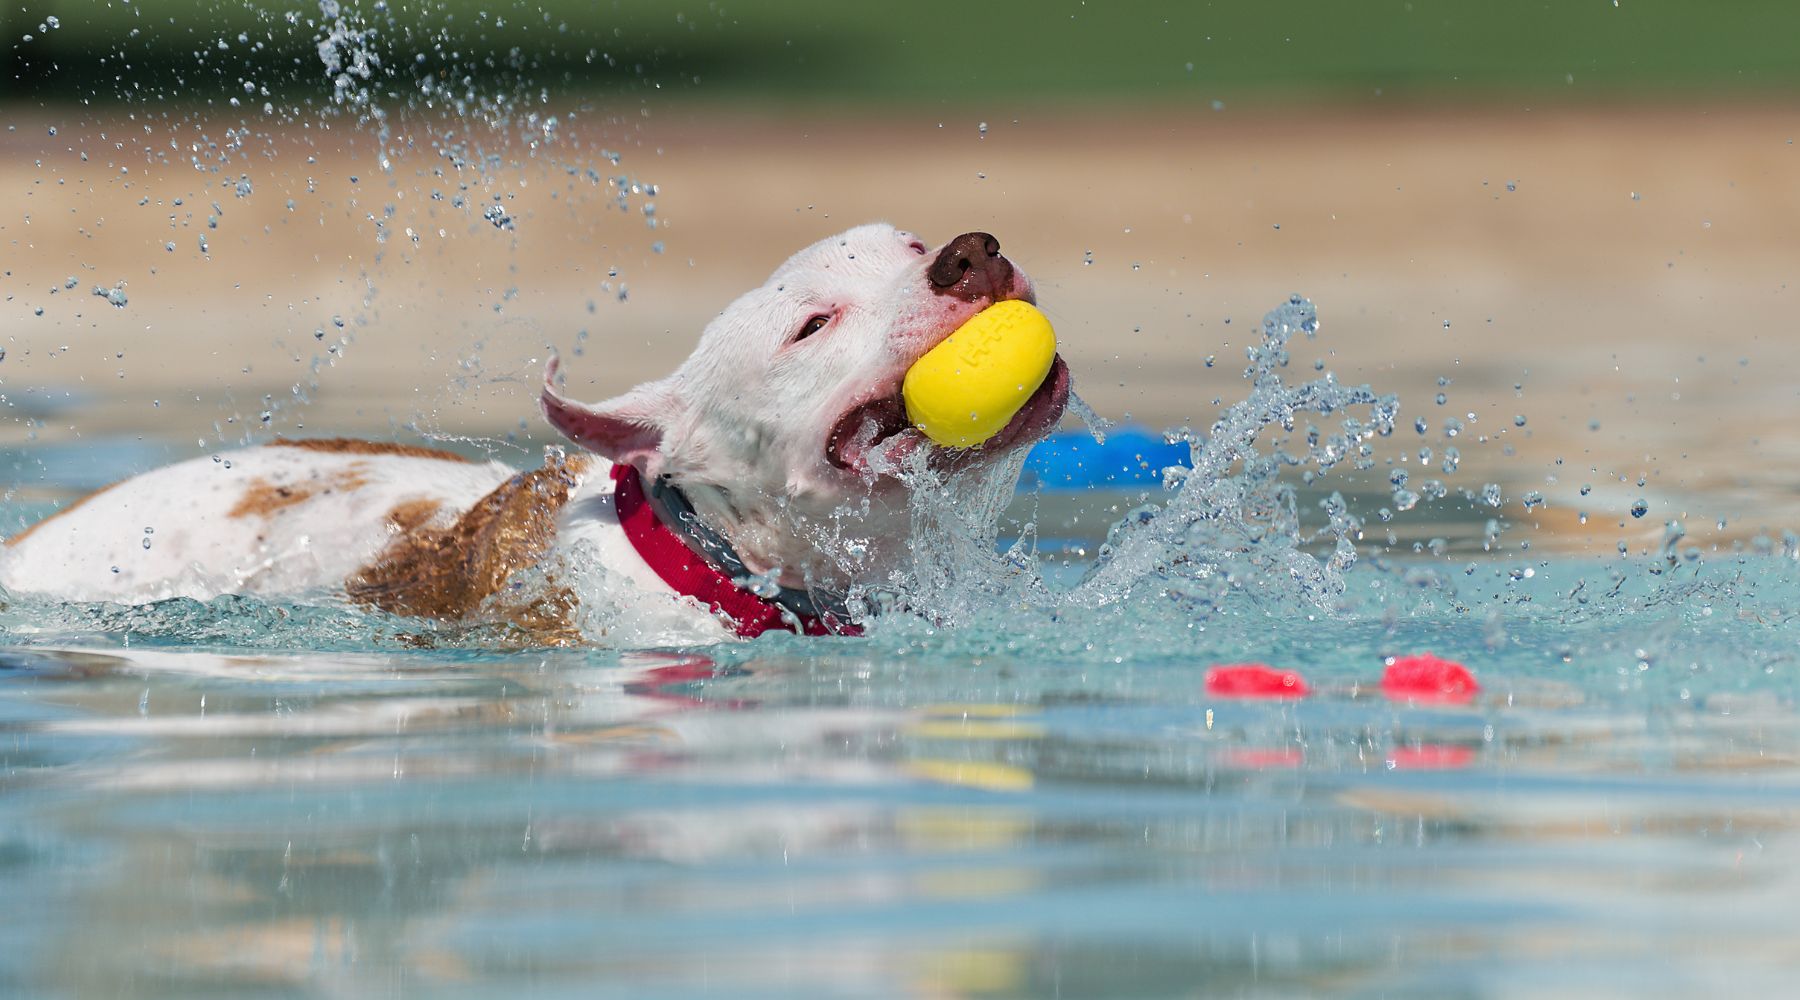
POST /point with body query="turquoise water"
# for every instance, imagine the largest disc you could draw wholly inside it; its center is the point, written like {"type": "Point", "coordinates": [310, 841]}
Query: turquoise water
{"type": "Point", "coordinates": [1019, 784]}
{"type": "Point", "coordinates": [922, 813]}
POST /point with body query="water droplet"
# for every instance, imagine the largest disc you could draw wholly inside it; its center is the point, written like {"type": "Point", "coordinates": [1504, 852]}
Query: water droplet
{"type": "Point", "coordinates": [1640, 508]}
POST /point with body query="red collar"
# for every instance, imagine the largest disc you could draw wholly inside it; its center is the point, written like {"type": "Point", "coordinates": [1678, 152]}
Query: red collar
{"type": "Point", "coordinates": [691, 575]}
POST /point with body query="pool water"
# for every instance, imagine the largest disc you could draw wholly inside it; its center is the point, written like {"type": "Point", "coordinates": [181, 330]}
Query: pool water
{"type": "Point", "coordinates": [1020, 783]}
{"type": "Point", "coordinates": [1029, 788]}
{"type": "Point", "coordinates": [920, 813]}
{"type": "Point", "coordinates": [1029, 778]}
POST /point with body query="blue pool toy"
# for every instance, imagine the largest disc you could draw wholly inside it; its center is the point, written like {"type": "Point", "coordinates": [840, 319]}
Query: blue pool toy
{"type": "Point", "coordinates": [1073, 460]}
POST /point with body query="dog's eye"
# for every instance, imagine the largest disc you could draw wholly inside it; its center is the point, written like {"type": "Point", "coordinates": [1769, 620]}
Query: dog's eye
{"type": "Point", "coordinates": [917, 247]}
{"type": "Point", "coordinates": [811, 327]}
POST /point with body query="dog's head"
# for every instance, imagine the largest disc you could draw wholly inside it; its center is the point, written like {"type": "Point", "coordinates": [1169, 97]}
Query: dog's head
{"type": "Point", "coordinates": [792, 399]}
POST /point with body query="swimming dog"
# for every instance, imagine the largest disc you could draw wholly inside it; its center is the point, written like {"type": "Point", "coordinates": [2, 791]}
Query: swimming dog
{"type": "Point", "coordinates": [744, 492]}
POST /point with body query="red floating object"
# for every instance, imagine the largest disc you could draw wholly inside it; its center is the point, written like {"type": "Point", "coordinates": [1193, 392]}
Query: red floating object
{"type": "Point", "coordinates": [1262, 758]}
{"type": "Point", "coordinates": [1425, 677]}
{"type": "Point", "coordinates": [1254, 680]}
{"type": "Point", "coordinates": [1430, 757]}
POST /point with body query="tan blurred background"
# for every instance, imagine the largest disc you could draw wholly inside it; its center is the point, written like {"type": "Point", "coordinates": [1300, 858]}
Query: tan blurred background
{"type": "Point", "coordinates": [1613, 263]}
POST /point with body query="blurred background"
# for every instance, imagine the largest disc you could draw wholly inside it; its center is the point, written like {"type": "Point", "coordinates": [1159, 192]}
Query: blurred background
{"type": "Point", "coordinates": [1564, 234]}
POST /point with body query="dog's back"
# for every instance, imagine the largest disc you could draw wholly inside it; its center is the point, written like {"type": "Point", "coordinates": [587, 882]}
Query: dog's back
{"type": "Point", "coordinates": [284, 518]}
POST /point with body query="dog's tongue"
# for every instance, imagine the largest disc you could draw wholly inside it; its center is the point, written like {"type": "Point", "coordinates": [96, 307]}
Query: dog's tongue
{"type": "Point", "coordinates": [860, 430]}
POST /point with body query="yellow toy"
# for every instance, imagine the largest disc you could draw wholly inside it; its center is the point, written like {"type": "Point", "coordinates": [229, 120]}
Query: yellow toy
{"type": "Point", "coordinates": [964, 390]}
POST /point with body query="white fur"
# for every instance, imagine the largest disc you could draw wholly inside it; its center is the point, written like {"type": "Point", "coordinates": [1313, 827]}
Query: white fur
{"type": "Point", "coordinates": [741, 426]}
{"type": "Point", "coordinates": [96, 551]}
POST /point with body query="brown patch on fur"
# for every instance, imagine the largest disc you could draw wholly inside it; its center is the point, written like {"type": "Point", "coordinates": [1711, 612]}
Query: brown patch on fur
{"type": "Point", "coordinates": [21, 536]}
{"type": "Point", "coordinates": [263, 498]}
{"type": "Point", "coordinates": [549, 620]}
{"type": "Point", "coordinates": [357, 446]}
{"type": "Point", "coordinates": [448, 572]}
{"type": "Point", "coordinates": [409, 514]}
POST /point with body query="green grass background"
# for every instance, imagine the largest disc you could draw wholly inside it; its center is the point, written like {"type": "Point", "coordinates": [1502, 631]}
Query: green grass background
{"type": "Point", "coordinates": [940, 53]}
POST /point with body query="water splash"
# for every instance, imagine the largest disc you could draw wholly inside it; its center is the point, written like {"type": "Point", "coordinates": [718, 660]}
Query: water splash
{"type": "Point", "coordinates": [1237, 531]}
{"type": "Point", "coordinates": [618, 615]}
{"type": "Point", "coordinates": [1234, 523]}
{"type": "Point", "coordinates": [1224, 549]}
{"type": "Point", "coordinates": [456, 122]}
{"type": "Point", "coordinates": [1231, 530]}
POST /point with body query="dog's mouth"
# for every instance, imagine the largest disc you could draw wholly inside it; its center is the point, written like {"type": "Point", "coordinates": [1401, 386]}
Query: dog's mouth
{"type": "Point", "coordinates": [876, 437]}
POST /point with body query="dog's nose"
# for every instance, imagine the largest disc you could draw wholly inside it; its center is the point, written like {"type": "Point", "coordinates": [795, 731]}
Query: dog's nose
{"type": "Point", "coordinates": [970, 267]}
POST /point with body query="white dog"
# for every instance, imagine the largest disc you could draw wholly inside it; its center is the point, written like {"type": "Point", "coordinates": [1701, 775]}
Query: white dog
{"type": "Point", "coordinates": [748, 488]}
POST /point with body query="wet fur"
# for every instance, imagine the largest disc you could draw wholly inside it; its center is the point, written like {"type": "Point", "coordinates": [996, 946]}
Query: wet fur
{"type": "Point", "coordinates": [745, 426]}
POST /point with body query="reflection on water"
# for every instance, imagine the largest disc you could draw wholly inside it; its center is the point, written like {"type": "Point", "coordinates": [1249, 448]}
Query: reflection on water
{"type": "Point", "coordinates": [829, 819]}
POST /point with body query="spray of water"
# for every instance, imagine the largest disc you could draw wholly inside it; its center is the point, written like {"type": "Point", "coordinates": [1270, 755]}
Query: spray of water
{"type": "Point", "coordinates": [1230, 527]}
{"type": "Point", "coordinates": [1231, 535]}
{"type": "Point", "coordinates": [458, 125]}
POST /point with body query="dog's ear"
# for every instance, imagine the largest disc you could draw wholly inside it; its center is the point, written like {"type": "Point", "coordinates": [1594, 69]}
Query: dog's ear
{"type": "Point", "coordinates": [627, 428]}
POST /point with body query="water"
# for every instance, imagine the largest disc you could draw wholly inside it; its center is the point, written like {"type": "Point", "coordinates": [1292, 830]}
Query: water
{"type": "Point", "coordinates": [929, 813]}
{"type": "Point", "coordinates": [1019, 784]}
